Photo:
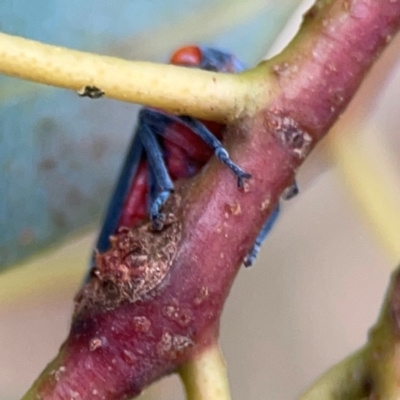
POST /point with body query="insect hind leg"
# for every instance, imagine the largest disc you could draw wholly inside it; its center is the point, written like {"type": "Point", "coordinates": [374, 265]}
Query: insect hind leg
{"type": "Point", "coordinates": [161, 183]}
{"type": "Point", "coordinates": [157, 199]}
{"type": "Point", "coordinates": [201, 130]}
{"type": "Point", "coordinates": [158, 119]}
{"type": "Point", "coordinates": [291, 191]}
{"type": "Point", "coordinates": [252, 255]}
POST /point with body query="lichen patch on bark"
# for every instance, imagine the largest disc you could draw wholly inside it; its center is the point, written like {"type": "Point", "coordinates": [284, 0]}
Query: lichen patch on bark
{"type": "Point", "coordinates": [137, 263]}
{"type": "Point", "coordinates": [291, 135]}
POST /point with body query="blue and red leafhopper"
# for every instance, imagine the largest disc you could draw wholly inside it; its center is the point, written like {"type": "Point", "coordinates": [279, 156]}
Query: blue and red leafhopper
{"type": "Point", "coordinates": [166, 148]}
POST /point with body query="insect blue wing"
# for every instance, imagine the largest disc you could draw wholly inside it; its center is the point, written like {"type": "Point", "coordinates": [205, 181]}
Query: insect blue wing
{"type": "Point", "coordinates": [115, 207]}
{"type": "Point", "coordinates": [144, 144]}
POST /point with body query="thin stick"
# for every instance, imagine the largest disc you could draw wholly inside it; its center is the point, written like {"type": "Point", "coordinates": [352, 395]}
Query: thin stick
{"type": "Point", "coordinates": [345, 381]}
{"type": "Point", "coordinates": [180, 90]}
{"type": "Point", "coordinates": [205, 376]}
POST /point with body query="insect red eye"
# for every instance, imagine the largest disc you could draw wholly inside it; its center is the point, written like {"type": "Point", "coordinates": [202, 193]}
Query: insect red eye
{"type": "Point", "coordinates": [189, 55]}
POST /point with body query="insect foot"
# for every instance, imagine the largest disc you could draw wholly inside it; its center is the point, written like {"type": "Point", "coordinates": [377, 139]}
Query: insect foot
{"type": "Point", "coordinates": [159, 219]}
{"type": "Point", "coordinates": [223, 156]}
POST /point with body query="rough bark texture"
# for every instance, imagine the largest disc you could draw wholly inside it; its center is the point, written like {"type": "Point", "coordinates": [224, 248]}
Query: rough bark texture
{"type": "Point", "coordinates": [113, 352]}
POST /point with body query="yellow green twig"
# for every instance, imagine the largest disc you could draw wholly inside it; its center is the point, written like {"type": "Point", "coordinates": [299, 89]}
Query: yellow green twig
{"type": "Point", "coordinates": [345, 381]}
{"type": "Point", "coordinates": [180, 90]}
{"type": "Point", "coordinates": [205, 376]}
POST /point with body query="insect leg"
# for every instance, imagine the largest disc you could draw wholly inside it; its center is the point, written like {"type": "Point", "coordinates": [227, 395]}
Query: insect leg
{"type": "Point", "coordinates": [158, 119]}
{"type": "Point", "coordinates": [251, 257]}
{"type": "Point", "coordinates": [290, 192]}
{"type": "Point", "coordinates": [202, 131]}
{"type": "Point", "coordinates": [158, 173]}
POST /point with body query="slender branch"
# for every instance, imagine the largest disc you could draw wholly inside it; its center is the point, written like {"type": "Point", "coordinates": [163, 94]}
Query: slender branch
{"type": "Point", "coordinates": [347, 380]}
{"type": "Point", "coordinates": [179, 90]}
{"type": "Point", "coordinates": [373, 372]}
{"type": "Point", "coordinates": [384, 346]}
{"type": "Point", "coordinates": [205, 376]}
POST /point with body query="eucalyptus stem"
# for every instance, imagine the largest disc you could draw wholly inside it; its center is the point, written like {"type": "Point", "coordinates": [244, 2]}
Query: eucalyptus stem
{"type": "Point", "coordinates": [205, 377]}
{"type": "Point", "coordinates": [344, 381]}
{"type": "Point", "coordinates": [200, 93]}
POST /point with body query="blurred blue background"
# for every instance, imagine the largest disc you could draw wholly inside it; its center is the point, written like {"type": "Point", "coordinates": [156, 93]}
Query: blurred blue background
{"type": "Point", "coordinates": [60, 154]}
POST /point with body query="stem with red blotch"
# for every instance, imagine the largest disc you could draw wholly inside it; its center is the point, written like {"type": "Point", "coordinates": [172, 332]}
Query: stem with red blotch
{"type": "Point", "coordinates": [116, 348]}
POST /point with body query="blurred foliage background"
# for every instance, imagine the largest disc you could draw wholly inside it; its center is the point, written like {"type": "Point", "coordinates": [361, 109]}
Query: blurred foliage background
{"type": "Point", "coordinates": [320, 278]}
{"type": "Point", "coordinates": [60, 154]}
